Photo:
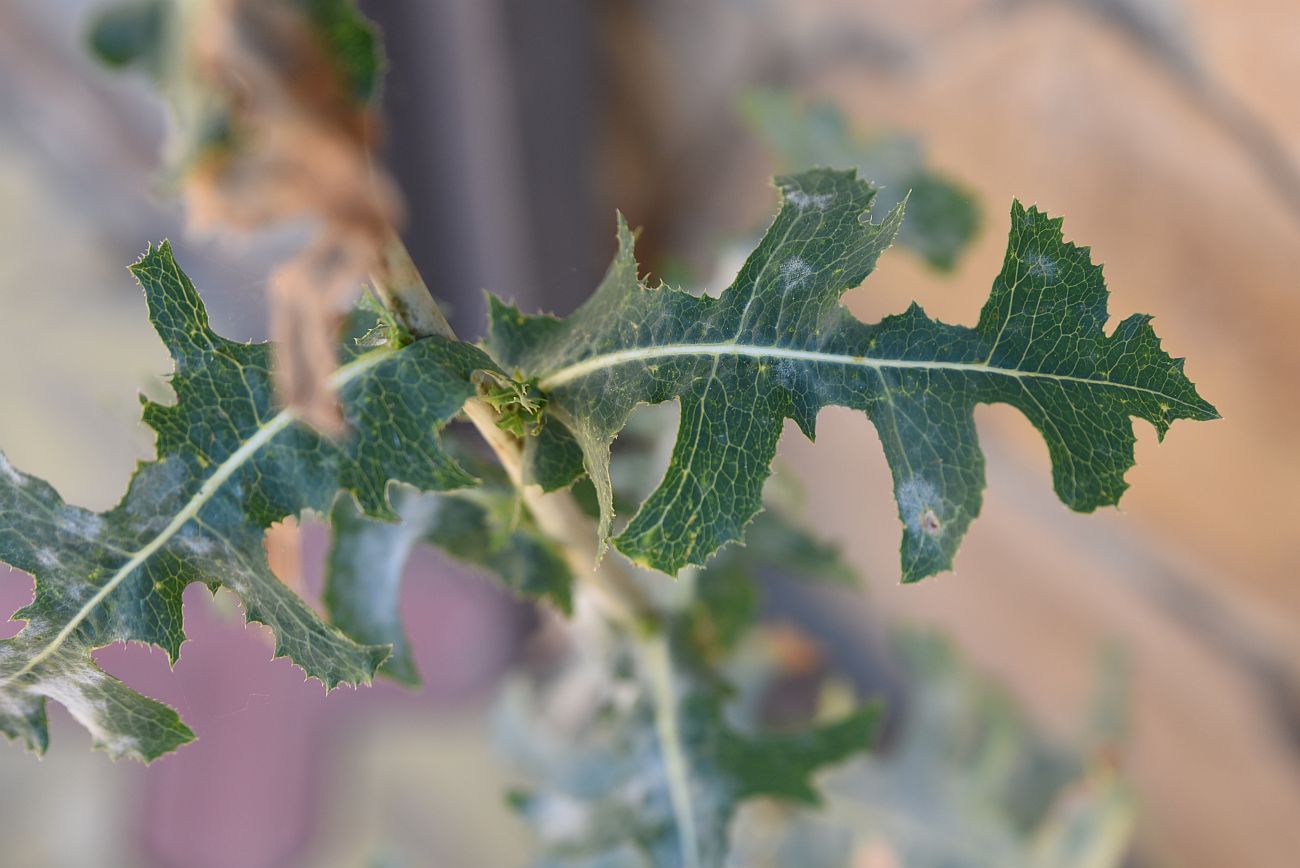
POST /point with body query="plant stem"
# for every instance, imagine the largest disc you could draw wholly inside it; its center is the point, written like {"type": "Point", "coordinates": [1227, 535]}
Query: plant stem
{"type": "Point", "coordinates": [405, 294]}
{"type": "Point", "coordinates": [613, 589]}
{"type": "Point", "coordinates": [659, 669]}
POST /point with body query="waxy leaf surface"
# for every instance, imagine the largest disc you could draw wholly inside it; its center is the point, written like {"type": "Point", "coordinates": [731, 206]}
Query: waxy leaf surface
{"type": "Point", "coordinates": [229, 465]}
{"type": "Point", "coordinates": [778, 344]}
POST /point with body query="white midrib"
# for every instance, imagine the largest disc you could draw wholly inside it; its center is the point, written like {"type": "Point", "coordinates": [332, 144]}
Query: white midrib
{"type": "Point", "coordinates": [587, 367]}
{"type": "Point", "coordinates": [264, 434]}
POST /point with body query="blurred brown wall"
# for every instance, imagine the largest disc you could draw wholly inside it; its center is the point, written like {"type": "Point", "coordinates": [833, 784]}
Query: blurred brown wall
{"type": "Point", "coordinates": [1163, 133]}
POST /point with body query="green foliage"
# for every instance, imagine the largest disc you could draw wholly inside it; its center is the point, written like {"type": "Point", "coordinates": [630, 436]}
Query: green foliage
{"type": "Point", "coordinates": [726, 594]}
{"type": "Point", "coordinates": [602, 774]}
{"type": "Point", "coordinates": [484, 527]}
{"type": "Point", "coordinates": [645, 740]}
{"type": "Point", "coordinates": [131, 33]}
{"type": "Point", "coordinates": [157, 37]}
{"type": "Point", "coordinates": [351, 41]}
{"type": "Point", "coordinates": [965, 782]}
{"type": "Point", "coordinates": [941, 215]}
{"type": "Point", "coordinates": [229, 465]}
{"type": "Point", "coordinates": [778, 344]}
{"type": "Point", "coordinates": [775, 345]}
{"type": "Point", "coordinates": [143, 32]}
{"type": "Point", "coordinates": [519, 404]}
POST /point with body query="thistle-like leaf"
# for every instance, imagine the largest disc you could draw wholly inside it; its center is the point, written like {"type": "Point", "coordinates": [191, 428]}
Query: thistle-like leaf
{"type": "Point", "coordinates": [778, 344]}
{"type": "Point", "coordinates": [606, 773]}
{"type": "Point", "coordinates": [229, 465]}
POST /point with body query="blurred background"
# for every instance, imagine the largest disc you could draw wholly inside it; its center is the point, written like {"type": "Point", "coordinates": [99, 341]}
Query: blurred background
{"type": "Point", "coordinates": [1165, 131]}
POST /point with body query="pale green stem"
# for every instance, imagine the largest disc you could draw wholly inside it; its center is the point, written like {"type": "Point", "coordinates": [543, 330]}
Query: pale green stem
{"type": "Point", "coordinates": [558, 516]}
{"type": "Point", "coordinates": [659, 669]}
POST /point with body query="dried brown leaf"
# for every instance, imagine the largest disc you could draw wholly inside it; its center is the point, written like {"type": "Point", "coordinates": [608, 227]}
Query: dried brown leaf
{"type": "Point", "coordinates": [298, 149]}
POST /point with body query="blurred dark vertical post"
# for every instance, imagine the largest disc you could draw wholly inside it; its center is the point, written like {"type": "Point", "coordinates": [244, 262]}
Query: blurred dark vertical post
{"type": "Point", "coordinates": [493, 112]}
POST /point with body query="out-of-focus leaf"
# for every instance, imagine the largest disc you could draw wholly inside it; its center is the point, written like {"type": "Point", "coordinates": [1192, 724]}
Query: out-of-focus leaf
{"type": "Point", "coordinates": [726, 591]}
{"type": "Point", "coordinates": [351, 41]}
{"type": "Point", "coordinates": [966, 782]}
{"type": "Point", "coordinates": [131, 33]}
{"type": "Point", "coordinates": [941, 215]}
{"type": "Point", "coordinates": [480, 527]}
{"type": "Point", "coordinates": [603, 796]}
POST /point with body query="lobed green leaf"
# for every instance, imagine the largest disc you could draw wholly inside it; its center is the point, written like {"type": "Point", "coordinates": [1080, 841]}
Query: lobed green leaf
{"type": "Point", "coordinates": [603, 793]}
{"type": "Point", "coordinates": [229, 465]}
{"type": "Point", "coordinates": [778, 344]}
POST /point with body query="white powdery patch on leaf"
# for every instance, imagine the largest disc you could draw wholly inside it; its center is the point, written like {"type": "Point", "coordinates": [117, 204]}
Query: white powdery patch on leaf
{"type": "Point", "coordinates": [803, 201]}
{"type": "Point", "coordinates": [81, 522]}
{"type": "Point", "coordinates": [561, 818]}
{"type": "Point", "coordinates": [73, 690]}
{"type": "Point", "coordinates": [37, 626]}
{"type": "Point", "coordinates": [78, 593]}
{"type": "Point", "coordinates": [1041, 265]}
{"type": "Point", "coordinates": [8, 472]}
{"type": "Point", "coordinates": [195, 542]}
{"type": "Point", "coordinates": [13, 704]}
{"type": "Point", "coordinates": [795, 272]}
{"type": "Point", "coordinates": [918, 501]}
{"type": "Point", "coordinates": [7, 653]}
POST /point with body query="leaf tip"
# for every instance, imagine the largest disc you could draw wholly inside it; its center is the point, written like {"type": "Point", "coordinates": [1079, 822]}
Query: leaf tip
{"type": "Point", "coordinates": [163, 251]}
